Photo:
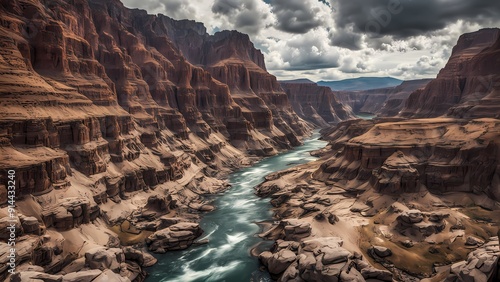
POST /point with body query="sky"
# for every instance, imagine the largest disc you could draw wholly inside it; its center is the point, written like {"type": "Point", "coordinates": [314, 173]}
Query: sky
{"type": "Point", "coordinates": [340, 39]}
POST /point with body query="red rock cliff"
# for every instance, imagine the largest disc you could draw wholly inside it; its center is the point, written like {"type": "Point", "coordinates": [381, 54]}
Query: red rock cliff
{"type": "Point", "coordinates": [316, 104]}
{"type": "Point", "coordinates": [384, 101]}
{"type": "Point", "coordinates": [468, 86]}
{"type": "Point", "coordinates": [108, 115]}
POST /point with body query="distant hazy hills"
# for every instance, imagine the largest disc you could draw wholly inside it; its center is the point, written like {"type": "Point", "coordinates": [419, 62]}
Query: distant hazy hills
{"type": "Point", "coordinates": [361, 83]}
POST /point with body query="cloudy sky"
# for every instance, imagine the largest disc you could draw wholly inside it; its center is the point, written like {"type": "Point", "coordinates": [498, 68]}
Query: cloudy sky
{"type": "Point", "coordinates": [338, 39]}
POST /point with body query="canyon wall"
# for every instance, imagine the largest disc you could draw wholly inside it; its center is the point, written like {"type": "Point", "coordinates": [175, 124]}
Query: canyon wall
{"type": "Point", "coordinates": [384, 101]}
{"type": "Point", "coordinates": [316, 104]}
{"type": "Point", "coordinates": [468, 86]}
{"type": "Point", "coordinates": [116, 124]}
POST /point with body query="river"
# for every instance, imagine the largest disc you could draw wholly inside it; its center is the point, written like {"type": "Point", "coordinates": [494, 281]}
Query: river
{"type": "Point", "coordinates": [231, 228]}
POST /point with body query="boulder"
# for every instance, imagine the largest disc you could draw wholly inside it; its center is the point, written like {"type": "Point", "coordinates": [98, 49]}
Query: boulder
{"type": "Point", "coordinates": [316, 243]}
{"type": "Point", "coordinates": [104, 258]}
{"type": "Point", "coordinates": [438, 216]}
{"type": "Point", "coordinates": [295, 230]}
{"type": "Point", "coordinates": [410, 217]}
{"type": "Point", "coordinates": [176, 237]}
{"type": "Point", "coordinates": [82, 276]}
{"type": "Point", "coordinates": [473, 241]}
{"type": "Point", "coordinates": [351, 275]}
{"type": "Point", "coordinates": [280, 261]}
{"type": "Point", "coordinates": [334, 255]}
{"type": "Point", "coordinates": [7, 224]}
{"type": "Point", "coordinates": [33, 276]}
{"type": "Point", "coordinates": [31, 225]}
{"type": "Point", "coordinates": [108, 275]}
{"type": "Point", "coordinates": [379, 251]}
{"type": "Point", "coordinates": [144, 259]}
{"type": "Point", "coordinates": [375, 273]}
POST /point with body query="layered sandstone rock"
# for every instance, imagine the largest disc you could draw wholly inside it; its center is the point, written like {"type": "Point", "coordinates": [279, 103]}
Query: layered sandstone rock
{"type": "Point", "coordinates": [392, 184]}
{"type": "Point", "coordinates": [113, 119]}
{"type": "Point", "coordinates": [467, 86]}
{"type": "Point", "coordinates": [441, 155]}
{"type": "Point", "coordinates": [384, 101]}
{"type": "Point", "coordinates": [316, 104]}
{"type": "Point", "coordinates": [176, 237]}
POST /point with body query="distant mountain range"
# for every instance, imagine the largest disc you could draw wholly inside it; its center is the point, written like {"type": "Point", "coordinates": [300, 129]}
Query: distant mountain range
{"type": "Point", "coordinates": [299, 80]}
{"type": "Point", "coordinates": [361, 83]}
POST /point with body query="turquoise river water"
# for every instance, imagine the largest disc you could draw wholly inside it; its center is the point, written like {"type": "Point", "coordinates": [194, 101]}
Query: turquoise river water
{"type": "Point", "coordinates": [231, 228]}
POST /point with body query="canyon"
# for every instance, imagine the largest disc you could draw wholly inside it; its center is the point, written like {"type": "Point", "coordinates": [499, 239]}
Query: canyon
{"type": "Point", "coordinates": [118, 129]}
{"type": "Point", "coordinates": [384, 102]}
{"type": "Point", "coordinates": [399, 199]}
{"type": "Point", "coordinates": [115, 124]}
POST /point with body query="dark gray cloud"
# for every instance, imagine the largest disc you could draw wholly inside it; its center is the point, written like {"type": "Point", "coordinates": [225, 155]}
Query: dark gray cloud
{"type": "Point", "coordinates": [346, 38]}
{"type": "Point", "coordinates": [406, 18]}
{"type": "Point", "coordinates": [295, 16]}
{"type": "Point", "coordinates": [227, 7]}
{"type": "Point", "coordinates": [243, 13]}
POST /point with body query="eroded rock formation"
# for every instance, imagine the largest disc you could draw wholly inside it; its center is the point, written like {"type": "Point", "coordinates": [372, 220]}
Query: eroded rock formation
{"type": "Point", "coordinates": [418, 196]}
{"type": "Point", "coordinates": [116, 124]}
{"type": "Point", "coordinates": [385, 102]}
{"type": "Point", "coordinates": [468, 86]}
{"type": "Point", "coordinates": [316, 104]}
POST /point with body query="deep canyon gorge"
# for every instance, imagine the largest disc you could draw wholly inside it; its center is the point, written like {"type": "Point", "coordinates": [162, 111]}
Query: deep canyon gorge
{"type": "Point", "coordinates": [136, 147]}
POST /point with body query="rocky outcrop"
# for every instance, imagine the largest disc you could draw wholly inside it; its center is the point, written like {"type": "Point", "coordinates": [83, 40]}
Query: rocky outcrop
{"type": "Point", "coordinates": [425, 189]}
{"type": "Point", "coordinates": [440, 155]}
{"type": "Point", "coordinates": [467, 86]}
{"type": "Point", "coordinates": [384, 102]}
{"type": "Point", "coordinates": [318, 259]}
{"type": "Point", "coordinates": [392, 185]}
{"type": "Point", "coordinates": [176, 237]}
{"type": "Point", "coordinates": [316, 104]}
{"type": "Point", "coordinates": [481, 265]}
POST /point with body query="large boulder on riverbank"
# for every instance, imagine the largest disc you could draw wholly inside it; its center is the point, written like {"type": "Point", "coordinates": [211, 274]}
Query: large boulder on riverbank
{"type": "Point", "coordinates": [176, 237]}
{"type": "Point", "coordinates": [319, 259]}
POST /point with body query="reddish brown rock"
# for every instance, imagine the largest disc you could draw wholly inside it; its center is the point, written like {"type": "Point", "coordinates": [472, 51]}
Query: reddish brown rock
{"type": "Point", "coordinates": [467, 86]}
{"type": "Point", "coordinates": [384, 102]}
{"type": "Point", "coordinates": [316, 104]}
{"type": "Point", "coordinates": [176, 237]}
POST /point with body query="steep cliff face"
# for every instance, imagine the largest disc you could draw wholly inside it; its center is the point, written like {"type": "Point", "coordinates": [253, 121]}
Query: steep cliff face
{"type": "Point", "coordinates": [262, 100]}
{"type": "Point", "coordinates": [443, 155]}
{"type": "Point", "coordinates": [231, 58]}
{"type": "Point", "coordinates": [316, 104]}
{"type": "Point", "coordinates": [114, 124]}
{"type": "Point", "coordinates": [468, 86]}
{"type": "Point", "coordinates": [384, 101]}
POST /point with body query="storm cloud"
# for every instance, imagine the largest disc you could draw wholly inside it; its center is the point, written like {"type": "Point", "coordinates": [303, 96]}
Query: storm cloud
{"type": "Point", "coordinates": [406, 18]}
{"type": "Point", "coordinates": [248, 16]}
{"type": "Point", "coordinates": [338, 39]}
{"type": "Point", "coordinates": [296, 16]}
